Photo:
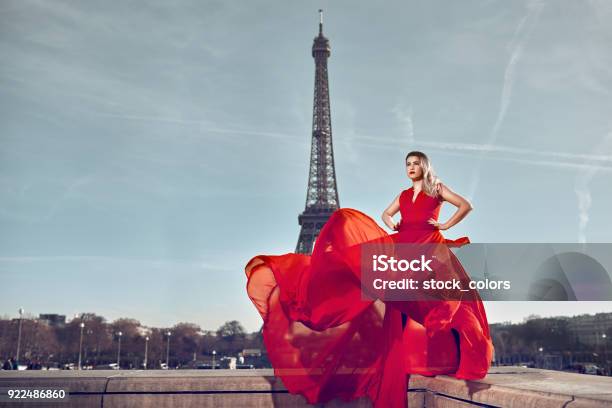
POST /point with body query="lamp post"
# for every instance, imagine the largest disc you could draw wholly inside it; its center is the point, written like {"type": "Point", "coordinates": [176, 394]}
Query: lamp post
{"type": "Point", "coordinates": [82, 326]}
{"type": "Point", "coordinates": [169, 333]}
{"type": "Point", "coordinates": [146, 358]}
{"type": "Point", "coordinates": [21, 311]}
{"type": "Point", "coordinates": [541, 349]}
{"type": "Point", "coordinates": [604, 336]}
{"type": "Point", "coordinates": [89, 332]}
{"type": "Point", "coordinates": [119, 334]}
{"type": "Point", "coordinates": [213, 362]}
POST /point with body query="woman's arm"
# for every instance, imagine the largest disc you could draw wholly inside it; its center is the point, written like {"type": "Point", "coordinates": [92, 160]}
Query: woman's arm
{"type": "Point", "coordinates": [390, 211]}
{"type": "Point", "coordinates": [463, 207]}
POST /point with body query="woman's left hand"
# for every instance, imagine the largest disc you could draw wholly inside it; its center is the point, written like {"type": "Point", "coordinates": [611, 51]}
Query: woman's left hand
{"type": "Point", "coordinates": [437, 224]}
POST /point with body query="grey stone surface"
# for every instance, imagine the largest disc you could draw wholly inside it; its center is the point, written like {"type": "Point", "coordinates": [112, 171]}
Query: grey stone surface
{"type": "Point", "coordinates": [524, 387]}
{"type": "Point", "coordinates": [440, 401]}
{"type": "Point", "coordinates": [503, 387]}
{"type": "Point", "coordinates": [92, 387]}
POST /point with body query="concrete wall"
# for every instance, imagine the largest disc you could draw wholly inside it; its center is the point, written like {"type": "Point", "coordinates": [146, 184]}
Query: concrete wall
{"type": "Point", "coordinates": [503, 387]}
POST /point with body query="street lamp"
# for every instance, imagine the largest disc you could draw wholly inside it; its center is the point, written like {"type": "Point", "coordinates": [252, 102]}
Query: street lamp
{"type": "Point", "coordinates": [21, 311]}
{"type": "Point", "coordinates": [213, 362]}
{"type": "Point", "coordinates": [169, 333]}
{"type": "Point", "coordinates": [604, 337]}
{"type": "Point", "coordinates": [119, 334]}
{"type": "Point", "coordinates": [89, 332]}
{"type": "Point", "coordinates": [541, 364]}
{"type": "Point", "coordinates": [82, 326]}
{"type": "Point", "coordinates": [146, 358]}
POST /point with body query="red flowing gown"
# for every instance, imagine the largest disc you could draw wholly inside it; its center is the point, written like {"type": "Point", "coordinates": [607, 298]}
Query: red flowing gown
{"type": "Point", "coordinates": [325, 341]}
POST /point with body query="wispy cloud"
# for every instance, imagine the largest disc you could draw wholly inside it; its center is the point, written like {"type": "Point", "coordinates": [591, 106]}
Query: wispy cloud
{"type": "Point", "coordinates": [601, 162]}
{"type": "Point", "coordinates": [205, 126]}
{"type": "Point", "coordinates": [70, 190]}
{"type": "Point", "coordinates": [583, 191]}
{"type": "Point", "coordinates": [85, 60]}
{"type": "Point", "coordinates": [98, 259]}
{"type": "Point", "coordinates": [583, 160]}
{"type": "Point", "coordinates": [154, 118]}
{"type": "Point", "coordinates": [507, 153]}
{"type": "Point", "coordinates": [404, 116]}
{"type": "Point", "coordinates": [488, 148]}
{"type": "Point", "coordinates": [517, 43]}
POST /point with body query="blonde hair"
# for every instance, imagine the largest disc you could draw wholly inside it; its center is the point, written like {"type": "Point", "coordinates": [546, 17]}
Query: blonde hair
{"type": "Point", "coordinates": [431, 182]}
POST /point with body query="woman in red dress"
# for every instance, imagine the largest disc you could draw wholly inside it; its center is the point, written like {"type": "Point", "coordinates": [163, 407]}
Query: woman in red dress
{"type": "Point", "coordinates": [326, 340]}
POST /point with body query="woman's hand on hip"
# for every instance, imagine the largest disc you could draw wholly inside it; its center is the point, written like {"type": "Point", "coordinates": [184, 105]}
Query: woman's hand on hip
{"type": "Point", "coordinates": [438, 225]}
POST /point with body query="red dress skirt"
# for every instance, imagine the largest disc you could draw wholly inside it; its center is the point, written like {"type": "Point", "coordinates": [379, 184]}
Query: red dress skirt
{"type": "Point", "coordinates": [326, 341]}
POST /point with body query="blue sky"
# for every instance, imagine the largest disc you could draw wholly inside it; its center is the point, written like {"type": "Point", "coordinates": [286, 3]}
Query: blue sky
{"type": "Point", "coordinates": [148, 150]}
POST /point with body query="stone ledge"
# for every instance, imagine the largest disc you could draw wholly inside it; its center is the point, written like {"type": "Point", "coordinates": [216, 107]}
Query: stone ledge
{"type": "Point", "coordinates": [519, 387]}
{"type": "Point", "coordinates": [503, 387]}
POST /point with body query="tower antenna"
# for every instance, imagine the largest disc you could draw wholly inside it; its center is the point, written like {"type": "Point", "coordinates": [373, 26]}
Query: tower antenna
{"type": "Point", "coordinates": [320, 21]}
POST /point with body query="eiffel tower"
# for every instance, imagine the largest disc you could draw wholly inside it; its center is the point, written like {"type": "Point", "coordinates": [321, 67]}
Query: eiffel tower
{"type": "Point", "coordinates": [322, 193]}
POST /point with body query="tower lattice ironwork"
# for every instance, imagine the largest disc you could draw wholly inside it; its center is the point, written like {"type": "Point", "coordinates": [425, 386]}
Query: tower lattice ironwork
{"type": "Point", "coordinates": [322, 193]}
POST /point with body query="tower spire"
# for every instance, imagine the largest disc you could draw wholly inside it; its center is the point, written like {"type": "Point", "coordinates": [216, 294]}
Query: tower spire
{"type": "Point", "coordinates": [321, 22]}
{"type": "Point", "coordinates": [322, 193]}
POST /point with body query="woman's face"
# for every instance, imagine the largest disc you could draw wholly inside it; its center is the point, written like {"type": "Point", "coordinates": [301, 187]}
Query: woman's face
{"type": "Point", "coordinates": [413, 168]}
